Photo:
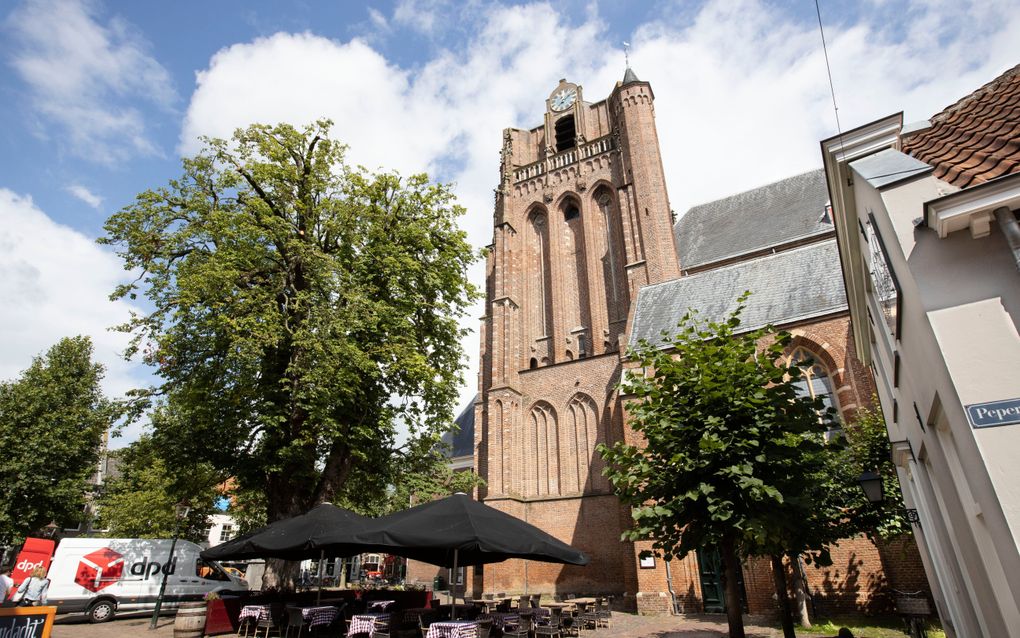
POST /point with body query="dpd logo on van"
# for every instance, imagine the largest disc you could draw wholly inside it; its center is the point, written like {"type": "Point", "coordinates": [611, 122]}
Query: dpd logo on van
{"type": "Point", "coordinates": [27, 565]}
{"type": "Point", "coordinates": [99, 569]}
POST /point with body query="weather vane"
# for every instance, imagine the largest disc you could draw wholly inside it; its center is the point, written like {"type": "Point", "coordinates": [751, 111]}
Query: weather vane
{"type": "Point", "coordinates": [626, 53]}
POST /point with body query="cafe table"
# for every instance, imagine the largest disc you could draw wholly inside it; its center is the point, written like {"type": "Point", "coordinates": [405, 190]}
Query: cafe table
{"type": "Point", "coordinates": [321, 616]}
{"type": "Point", "coordinates": [257, 613]}
{"type": "Point", "coordinates": [501, 618]}
{"type": "Point", "coordinates": [453, 629]}
{"type": "Point", "coordinates": [366, 623]}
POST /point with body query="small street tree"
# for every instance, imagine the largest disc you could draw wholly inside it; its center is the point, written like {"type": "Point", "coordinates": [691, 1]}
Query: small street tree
{"type": "Point", "coordinates": [139, 502]}
{"type": "Point", "coordinates": [52, 421]}
{"type": "Point", "coordinates": [300, 310]}
{"type": "Point", "coordinates": [728, 448]}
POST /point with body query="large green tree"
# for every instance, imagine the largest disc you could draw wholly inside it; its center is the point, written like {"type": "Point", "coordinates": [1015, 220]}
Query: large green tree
{"type": "Point", "coordinates": [52, 421]}
{"type": "Point", "coordinates": [728, 449]}
{"type": "Point", "coordinates": [300, 310]}
{"type": "Point", "coordinates": [140, 501]}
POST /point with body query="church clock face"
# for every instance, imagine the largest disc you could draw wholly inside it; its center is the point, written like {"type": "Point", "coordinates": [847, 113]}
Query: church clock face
{"type": "Point", "coordinates": [563, 99]}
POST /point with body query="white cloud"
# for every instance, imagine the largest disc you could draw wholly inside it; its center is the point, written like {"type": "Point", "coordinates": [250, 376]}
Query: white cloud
{"type": "Point", "coordinates": [378, 19]}
{"type": "Point", "coordinates": [742, 97]}
{"type": "Point", "coordinates": [88, 79]}
{"type": "Point", "coordinates": [85, 195]}
{"type": "Point", "coordinates": [54, 283]}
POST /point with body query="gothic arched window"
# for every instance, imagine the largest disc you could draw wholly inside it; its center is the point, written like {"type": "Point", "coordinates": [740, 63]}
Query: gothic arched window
{"type": "Point", "coordinates": [815, 380]}
{"type": "Point", "coordinates": [612, 256]}
{"type": "Point", "coordinates": [575, 295]}
{"type": "Point", "coordinates": [541, 452]}
{"type": "Point", "coordinates": [538, 276]}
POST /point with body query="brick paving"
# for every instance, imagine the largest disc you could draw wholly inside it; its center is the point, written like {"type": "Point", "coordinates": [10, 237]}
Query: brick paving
{"type": "Point", "coordinates": [624, 626]}
{"type": "Point", "coordinates": [68, 627]}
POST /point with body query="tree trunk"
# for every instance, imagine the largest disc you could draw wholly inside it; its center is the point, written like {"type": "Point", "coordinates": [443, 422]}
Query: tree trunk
{"type": "Point", "coordinates": [779, 579]}
{"type": "Point", "coordinates": [734, 606]}
{"type": "Point", "coordinates": [800, 591]}
{"type": "Point", "coordinates": [280, 574]}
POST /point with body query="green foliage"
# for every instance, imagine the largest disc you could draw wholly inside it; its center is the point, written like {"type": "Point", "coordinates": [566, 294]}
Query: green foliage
{"type": "Point", "coordinates": [730, 446]}
{"type": "Point", "coordinates": [301, 309]}
{"type": "Point", "coordinates": [429, 483]}
{"type": "Point", "coordinates": [140, 502]}
{"type": "Point", "coordinates": [868, 449]}
{"type": "Point", "coordinates": [248, 509]}
{"type": "Point", "coordinates": [52, 421]}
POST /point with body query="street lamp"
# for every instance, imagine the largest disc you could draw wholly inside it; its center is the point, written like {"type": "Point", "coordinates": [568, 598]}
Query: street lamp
{"type": "Point", "coordinates": [51, 530]}
{"type": "Point", "coordinates": [871, 483]}
{"type": "Point", "coordinates": [180, 513]}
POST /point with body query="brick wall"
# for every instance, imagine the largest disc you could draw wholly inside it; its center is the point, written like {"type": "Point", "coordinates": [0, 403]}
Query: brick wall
{"type": "Point", "coordinates": [550, 283]}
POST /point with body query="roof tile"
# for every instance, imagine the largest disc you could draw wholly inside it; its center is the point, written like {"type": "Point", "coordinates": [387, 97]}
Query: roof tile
{"type": "Point", "coordinates": [977, 139]}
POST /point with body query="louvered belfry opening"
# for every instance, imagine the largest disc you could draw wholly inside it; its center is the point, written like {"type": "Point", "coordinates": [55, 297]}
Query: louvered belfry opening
{"type": "Point", "coordinates": [566, 133]}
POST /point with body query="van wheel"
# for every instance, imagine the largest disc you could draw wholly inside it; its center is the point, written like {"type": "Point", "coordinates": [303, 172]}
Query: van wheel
{"type": "Point", "coordinates": [101, 611]}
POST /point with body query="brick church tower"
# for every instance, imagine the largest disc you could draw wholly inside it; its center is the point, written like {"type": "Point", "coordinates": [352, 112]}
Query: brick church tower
{"type": "Point", "coordinates": [582, 222]}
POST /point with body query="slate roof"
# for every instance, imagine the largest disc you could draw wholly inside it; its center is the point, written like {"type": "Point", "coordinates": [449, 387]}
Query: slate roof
{"type": "Point", "coordinates": [778, 213]}
{"type": "Point", "coordinates": [978, 138]}
{"type": "Point", "coordinates": [462, 441]}
{"type": "Point", "coordinates": [790, 286]}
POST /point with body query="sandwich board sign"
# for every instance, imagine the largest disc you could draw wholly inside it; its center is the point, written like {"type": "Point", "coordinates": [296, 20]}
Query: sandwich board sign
{"type": "Point", "coordinates": [26, 622]}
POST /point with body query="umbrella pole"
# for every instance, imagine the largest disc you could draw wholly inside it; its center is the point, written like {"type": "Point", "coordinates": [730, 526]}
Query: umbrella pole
{"type": "Point", "coordinates": [454, 587]}
{"type": "Point", "coordinates": [322, 557]}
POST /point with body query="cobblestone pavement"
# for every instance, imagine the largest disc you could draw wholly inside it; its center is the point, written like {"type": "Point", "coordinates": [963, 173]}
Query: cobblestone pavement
{"type": "Point", "coordinates": [624, 626]}
{"type": "Point", "coordinates": [71, 627]}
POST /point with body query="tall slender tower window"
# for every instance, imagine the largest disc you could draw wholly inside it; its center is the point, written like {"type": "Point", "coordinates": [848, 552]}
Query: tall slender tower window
{"type": "Point", "coordinates": [566, 133]}
{"type": "Point", "coordinates": [539, 281]}
{"type": "Point", "coordinates": [576, 298]}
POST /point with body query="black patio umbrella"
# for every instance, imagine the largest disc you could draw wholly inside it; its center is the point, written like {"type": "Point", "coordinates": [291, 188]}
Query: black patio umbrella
{"type": "Point", "coordinates": [458, 531]}
{"type": "Point", "coordinates": [295, 538]}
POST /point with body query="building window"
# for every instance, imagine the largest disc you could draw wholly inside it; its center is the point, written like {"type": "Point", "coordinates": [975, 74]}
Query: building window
{"type": "Point", "coordinates": [566, 133]}
{"type": "Point", "coordinates": [815, 382]}
{"type": "Point", "coordinates": [226, 533]}
{"type": "Point", "coordinates": [883, 279]}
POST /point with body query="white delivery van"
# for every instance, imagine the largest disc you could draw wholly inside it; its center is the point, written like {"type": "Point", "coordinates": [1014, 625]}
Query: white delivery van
{"type": "Point", "coordinates": [102, 577]}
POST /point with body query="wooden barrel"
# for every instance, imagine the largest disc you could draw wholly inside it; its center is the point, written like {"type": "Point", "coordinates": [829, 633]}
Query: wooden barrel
{"type": "Point", "coordinates": [190, 621]}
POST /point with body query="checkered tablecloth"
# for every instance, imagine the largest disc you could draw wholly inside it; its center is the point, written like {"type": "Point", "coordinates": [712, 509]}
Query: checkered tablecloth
{"type": "Point", "coordinates": [501, 619]}
{"type": "Point", "coordinates": [319, 616]}
{"type": "Point", "coordinates": [254, 612]}
{"type": "Point", "coordinates": [381, 605]}
{"type": "Point", "coordinates": [453, 629]}
{"type": "Point", "coordinates": [365, 623]}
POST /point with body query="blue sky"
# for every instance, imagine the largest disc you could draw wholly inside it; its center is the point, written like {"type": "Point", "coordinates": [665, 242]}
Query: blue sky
{"type": "Point", "coordinates": [99, 100]}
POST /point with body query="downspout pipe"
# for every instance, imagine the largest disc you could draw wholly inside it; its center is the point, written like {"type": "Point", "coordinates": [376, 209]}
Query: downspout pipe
{"type": "Point", "coordinates": [672, 592]}
{"type": "Point", "coordinates": [1011, 229]}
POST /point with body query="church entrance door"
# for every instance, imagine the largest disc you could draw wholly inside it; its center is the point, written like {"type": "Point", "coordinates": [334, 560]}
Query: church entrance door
{"type": "Point", "coordinates": [713, 594]}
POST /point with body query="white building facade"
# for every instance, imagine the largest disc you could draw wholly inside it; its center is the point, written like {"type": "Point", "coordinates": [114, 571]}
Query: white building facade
{"type": "Point", "coordinates": [926, 221]}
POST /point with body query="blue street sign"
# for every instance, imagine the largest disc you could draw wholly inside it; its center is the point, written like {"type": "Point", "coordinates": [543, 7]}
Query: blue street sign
{"type": "Point", "coordinates": [993, 413]}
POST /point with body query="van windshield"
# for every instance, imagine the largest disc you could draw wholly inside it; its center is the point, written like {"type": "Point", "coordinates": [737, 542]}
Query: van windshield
{"type": "Point", "coordinates": [210, 571]}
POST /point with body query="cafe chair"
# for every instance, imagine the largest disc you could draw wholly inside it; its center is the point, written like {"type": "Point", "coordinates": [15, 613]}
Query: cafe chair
{"type": "Point", "coordinates": [604, 612]}
{"type": "Point", "coordinates": [246, 626]}
{"type": "Point", "coordinates": [552, 627]}
{"type": "Point", "coordinates": [382, 629]}
{"type": "Point", "coordinates": [484, 628]}
{"type": "Point", "coordinates": [295, 623]}
{"type": "Point", "coordinates": [587, 621]}
{"type": "Point", "coordinates": [268, 624]}
{"type": "Point", "coordinates": [521, 630]}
